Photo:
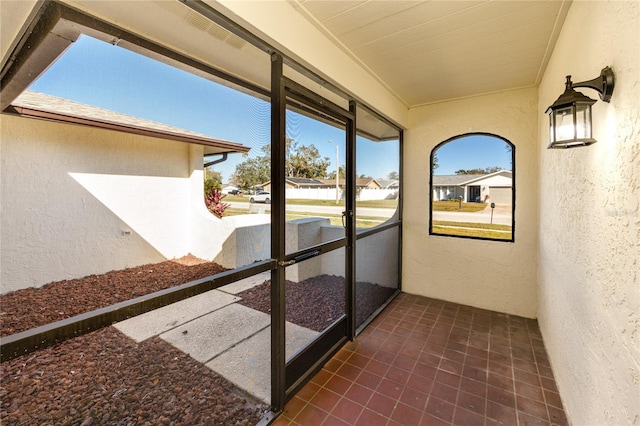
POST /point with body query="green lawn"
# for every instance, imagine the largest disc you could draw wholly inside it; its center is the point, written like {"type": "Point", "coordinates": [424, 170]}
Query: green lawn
{"type": "Point", "coordinates": [499, 232]}
{"type": "Point", "coordinates": [336, 219]}
{"type": "Point", "coordinates": [452, 206]}
{"type": "Point", "coordinates": [390, 204]}
{"type": "Point", "coordinates": [468, 229]}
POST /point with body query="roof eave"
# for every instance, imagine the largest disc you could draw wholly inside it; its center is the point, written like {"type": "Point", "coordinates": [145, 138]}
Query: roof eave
{"type": "Point", "coordinates": [224, 146]}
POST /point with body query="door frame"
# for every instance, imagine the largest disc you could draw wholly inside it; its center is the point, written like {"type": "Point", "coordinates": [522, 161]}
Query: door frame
{"type": "Point", "coordinates": [287, 378]}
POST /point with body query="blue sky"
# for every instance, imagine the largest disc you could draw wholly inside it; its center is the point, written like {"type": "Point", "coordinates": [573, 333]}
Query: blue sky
{"type": "Point", "coordinates": [110, 77]}
{"type": "Point", "coordinates": [471, 152]}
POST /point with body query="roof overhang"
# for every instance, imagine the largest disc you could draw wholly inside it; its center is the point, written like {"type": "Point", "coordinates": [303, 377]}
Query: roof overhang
{"type": "Point", "coordinates": [45, 107]}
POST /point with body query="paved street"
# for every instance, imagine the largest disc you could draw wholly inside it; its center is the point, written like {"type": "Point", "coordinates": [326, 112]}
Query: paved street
{"type": "Point", "coordinates": [362, 211]}
{"type": "Point", "coordinates": [501, 214]}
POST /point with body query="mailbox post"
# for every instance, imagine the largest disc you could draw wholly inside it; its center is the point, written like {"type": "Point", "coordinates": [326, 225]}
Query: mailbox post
{"type": "Point", "coordinates": [493, 206]}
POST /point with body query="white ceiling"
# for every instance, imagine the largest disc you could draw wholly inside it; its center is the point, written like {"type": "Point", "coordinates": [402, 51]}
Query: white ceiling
{"type": "Point", "coordinates": [423, 51]}
{"type": "Point", "coordinates": [431, 51]}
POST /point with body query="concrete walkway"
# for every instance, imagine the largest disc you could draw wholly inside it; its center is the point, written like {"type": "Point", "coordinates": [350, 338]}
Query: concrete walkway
{"type": "Point", "coordinates": [501, 216]}
{"type": "Point", "coordinates": [231, 339]}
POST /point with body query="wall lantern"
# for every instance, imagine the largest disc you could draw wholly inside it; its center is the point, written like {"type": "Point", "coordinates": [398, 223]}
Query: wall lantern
{"type": "Point", "coordinates": [570, 114]}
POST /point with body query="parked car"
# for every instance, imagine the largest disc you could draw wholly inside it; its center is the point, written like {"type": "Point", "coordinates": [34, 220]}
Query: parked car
{"type": "Point", "coordinates": [235, 192]}
{"type": "Point", "coordinates": [261, 197]}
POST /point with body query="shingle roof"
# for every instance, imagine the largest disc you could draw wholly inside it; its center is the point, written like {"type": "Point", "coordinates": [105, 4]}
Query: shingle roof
{"type": "Point", "coordinates": [385, 183]}
{"type": "Point", "coordinates": [461, 180]}
{"type": "Point", "coordinates": [303, 181]}
{"type": "Point", "coordinates": [40, 105]}
{"type": "Point", "coordinates": [452, 180]}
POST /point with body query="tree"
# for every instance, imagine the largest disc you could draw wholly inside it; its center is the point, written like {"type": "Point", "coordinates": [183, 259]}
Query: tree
{"type": "Point", "coordinates": [301, 161]}
{"type": "Point", "coordinates": [342, 173]}
{"type": "Point", "coordinates": [509, 150]}
{"type": "Point", "coordinates": [210, 185]}
{"type": "Point", "coordinates": [434, 162]}
{"type": "Point", "coordinates": [254, 171]}
{"type": "Point", "coordinates": [393, 176]}
{"type": "Point", "coordinates": [212, 180]}
{"type": "Point", "coordinates": [478, 171]}
{"type": "Point", "coordinates": [212, 174]}
{"type": "Point", "coordinates": [305, 161]}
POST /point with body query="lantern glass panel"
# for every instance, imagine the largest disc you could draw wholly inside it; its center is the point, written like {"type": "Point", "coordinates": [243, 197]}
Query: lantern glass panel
{"type": "Point", "coordinates": [564, 124]}
{"type": "Point", "coordinates": [583, 121]}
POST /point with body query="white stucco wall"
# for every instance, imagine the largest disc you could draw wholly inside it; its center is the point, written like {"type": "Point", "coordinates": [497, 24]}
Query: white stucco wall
{"type": "Point", "coordinates": [232, 241]}
{"type": "Point", "coordinates": [589, 292]}
{"type": "Point", "coordinates": [76, 201]}
{"type": "Point", "coordinates": [492, 275]}
{"type": "Point", "coordinates": [499, 180]}
{"type": "Point", "coordinates": [71, 194]}
{"type": "Point", "coordinates": [377, 258]}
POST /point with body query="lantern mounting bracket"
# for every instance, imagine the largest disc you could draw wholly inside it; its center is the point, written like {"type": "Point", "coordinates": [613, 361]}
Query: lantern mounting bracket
{"type": "Point", "coordinates": [603, 84]}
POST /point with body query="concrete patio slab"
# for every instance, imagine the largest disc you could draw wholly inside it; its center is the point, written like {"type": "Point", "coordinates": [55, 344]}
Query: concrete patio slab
{"type": "Point", "coordinates": [245, 284]}
{"type": "Point", "coordinates": [208, 336]}
{"type": "Point", "coordinates": [233, 340]}
{"type": "Point", "coordinates": [248, 364]}
{"type": "Point", "coordinates": [161, 320]}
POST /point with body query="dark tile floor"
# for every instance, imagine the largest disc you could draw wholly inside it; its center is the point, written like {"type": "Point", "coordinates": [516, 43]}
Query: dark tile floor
{"type": "Point", "coordinates": [429, 362]}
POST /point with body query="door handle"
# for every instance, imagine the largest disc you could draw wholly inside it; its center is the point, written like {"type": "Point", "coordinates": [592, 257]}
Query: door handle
{"type": "Point", "coordinates": [345, 214]}
{"type": "Point", "coordinates": [285, 263]}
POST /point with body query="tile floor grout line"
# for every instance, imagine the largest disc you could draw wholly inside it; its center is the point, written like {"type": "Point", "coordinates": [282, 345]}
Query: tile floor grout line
{"type": "Point", "coordinates": [535, 359]}
{"type": "Point", "coordinates": [486, 385]}
{"type": "Point", "coordinates": [494, 329]}
{"type": "Point", "coordinates": [513, 372]}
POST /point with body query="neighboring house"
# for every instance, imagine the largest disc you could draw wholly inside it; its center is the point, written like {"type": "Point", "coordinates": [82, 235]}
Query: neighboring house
{"type": "Point", "coordinates": [367, 183]}
{"type": "Point", "coordinates": [325, 189]}
{"type": "Point", "coordinates": [307, 183]}
{"type": "Point", "coordinates": [389, 183]}
{"type": "Point", "coordinates": [296, 183]}
{"type": "Point", "coordinates": [362, 183]}
{"type": "Point", "coordinates": [494, 187]}
{"type": "Point", "coordinates": [230, 189]}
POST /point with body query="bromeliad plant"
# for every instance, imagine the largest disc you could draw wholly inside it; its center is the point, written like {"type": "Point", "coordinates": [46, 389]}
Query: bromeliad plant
{"type": "Point", "coordinates": [213, 201]}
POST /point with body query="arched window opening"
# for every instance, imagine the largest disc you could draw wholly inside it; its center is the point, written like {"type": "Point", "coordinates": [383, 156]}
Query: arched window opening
{"type": "Point", "coordinates": [472, 187]}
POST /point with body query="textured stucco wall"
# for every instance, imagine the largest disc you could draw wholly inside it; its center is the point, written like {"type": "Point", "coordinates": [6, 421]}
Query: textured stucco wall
{"type": "Point", "coordinates": [216, 239]}
{"type": "Point", "coordinates": [488, 274]}
{"type": "Point", "coordinates": [76, 201]}
{"type": "Point", "coordinates": [589, 294]}
{"type": "Point", "coordinates": [69, 193]}
{"type": "Point", "coordinates": [377, 258]}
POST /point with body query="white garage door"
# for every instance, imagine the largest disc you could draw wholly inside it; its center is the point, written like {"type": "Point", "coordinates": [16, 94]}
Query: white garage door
{"type": "Point", "coordinates": [500, 195]}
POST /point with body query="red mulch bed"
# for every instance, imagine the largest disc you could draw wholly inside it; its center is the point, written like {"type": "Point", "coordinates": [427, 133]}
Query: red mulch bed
{"type": "Point", "coordinates": [32, 307]}
{"type": "Point", "coordinates": [105, 378]}
{"type": "Point", "coordinates": [317, 302]}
